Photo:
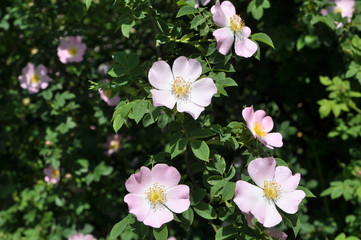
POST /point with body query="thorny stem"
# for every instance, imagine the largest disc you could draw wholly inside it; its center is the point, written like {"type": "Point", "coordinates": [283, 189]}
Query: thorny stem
{"type": "Point", "coordinates": [155, 28]}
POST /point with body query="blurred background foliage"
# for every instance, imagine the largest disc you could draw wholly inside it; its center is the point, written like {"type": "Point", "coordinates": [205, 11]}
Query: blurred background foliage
{"type": "Point", "coordinates": [310, 84]}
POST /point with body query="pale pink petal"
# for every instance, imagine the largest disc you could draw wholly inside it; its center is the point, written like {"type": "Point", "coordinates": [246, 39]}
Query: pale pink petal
{"type": "Point", "coordinates": [219, 18]}
{"type": "Point", "coordinates": [266, 213]}
{"type": "Point", "coordinates": [228, 9]}
{"type": "Point", "coordinates": [259, 115]}
{"type": "Point", "coordinates": [246, 31]}
{"type": "Point", "coordinates": [284, 177]}
{"type": "Point", "coordinates": [262, 169]}
{"type": "Point", "coordinates": [225, 38]}
{"type": "Point", "coordinates": [289, 202]}
{"type": "Point", "coordinates": [273, 139]}
{"type": "Point", "coordinates": [276, 234]}
{"type": "Point", "coordinates": [204, 2]}
{"type": "Point", "coordinates": [138, 205]}
{"type": "Point", "coordinates": [246, 195]}
{"type": "Point", "coordinates": [189, 107]}
{"type": "Point", "coordinates": [44, 85]}
{"type": "Point", "coordinates": [247, 114]}
{"type": "Point", "coordinates": [41, 70]}
{"type": "Point", "coordinates": [163, 98]}
{"type": "Point", "coordinates": [245, 47]}
{"type": "Point", "coordinates": [267, 123]}
{"type": "Point", "coordinates": [157, 218]}
{"type": "Point", "coordinates": [203, 91]}
{"type": "Point", "coordinates": [178, 198]}
{"type": "Point", "coordinates": [160, 75]}
{"type": "Point", "coordinates": [250, 220]}
{"type": "Point", "coordinates": [189, 70]}
{"type": "Point", "coordinates": [165, 175]}
{"type": "Point", "coordinates": [140, 181]}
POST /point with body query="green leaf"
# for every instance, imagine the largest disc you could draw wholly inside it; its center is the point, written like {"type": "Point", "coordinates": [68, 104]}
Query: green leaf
{"type": "Point", "coordinates": [205, 211]}
{"type": "Point", "coordinates": [87, 4]}
{"type": "Point", "coordinates": [262, 37]}
{"type": "Point", "coordinates": [119, 227]}
{"type": "Point", "coordinates": [161, 233]}
{"type": "Point", "coordinates": [186, 10]}
{"type": "Point", "coordinates": [306, 191]}
{"type": "Point", "coordinates": [188, 217]}
{"type": "Point", "coordinates": [139, 109]}
{"type": "Point", "coordinates": [228, 191]}
{"type": "Point", "coordinates": [200, 149]}
{"type": "Point", "coordinates": [126, 28]}
{"type": "Point", "coordinates": [118, 122]}
{"type": "Point", "coordinates": [201, 133]}
{"type": "Point", "coordinates": [197, 196]}
{"type": "Point", "coordinates": [226, 232]}
{"type": "Point", "coordinates": [197, 20]}
{"type": "Point", "coordinates": [293, 221]}
{"type": "Point", "coordinates": [325, 81]}
{"type": "Point", "coordinates": [178, 147]}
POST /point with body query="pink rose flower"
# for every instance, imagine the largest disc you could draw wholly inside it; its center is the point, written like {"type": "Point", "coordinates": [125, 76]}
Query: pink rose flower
{"type": "Point", "coordinates": [155, 194]}
{"type": "Point", "coordinates": [345, 7]}
{"type": "Point", "coordinates": [275, 186]}
{"type": "Point", "coordinates": [179, 86]}
{"type": "Point", "coordinates": [260, 125]}
{"type": "Point", "coordinates": [80, 236]}
{"type": "Point", "coordinates": [203, 3]}
{"type": "Point", "coordinates": [105, 95]}
{"type": "Point", "coordinates": [232, 30]}
{"type": "Point", "coordinates": [34, 78]}
{"type": "Point", "coordinates": [113, 144]}
{"type": "Point", "coordinates": [71, 49]}
{"type": "Point", "coordinates": [51, 175]}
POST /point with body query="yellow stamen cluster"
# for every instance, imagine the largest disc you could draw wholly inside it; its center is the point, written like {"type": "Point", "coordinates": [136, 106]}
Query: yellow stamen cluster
{"type": "Point", "coordinates": [180, 87]}
{"type": "Point", "coordinates": [35, 78]}
{"type": "Point", "coordinates": [72, 51]}
{"type": "Point", "coordinates": [156, 194]}
{"type": "Point", "coordinates": [272, 189]}
{"type": "Point", "coordinates": [114, 144]}
{"type": "Point", "coordinates": [337, 10]}
{"type": "Point", "coordinates": [107, 93]}
{"type": "Point", "coordinates": [55, 173]}
{"type": "Point", "coordinates": [236, 23]}
{"type": "Point", "coordinates": [259, 129]}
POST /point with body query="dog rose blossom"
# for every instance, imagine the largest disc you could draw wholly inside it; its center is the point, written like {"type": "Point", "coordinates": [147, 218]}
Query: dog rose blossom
{"type": "Point", "coordinates": [232, 29]}
{"type": "Point", "coordinates": [276, 186]}
{"type": "Point", "coordinates": [52, 175]}
{"type": "Point", "coordinates": [179, 85]}
{"type": "Point", "coordinates": [71, 49]}
{"type": "Point", "coordinates": [345, 7]}
{"type": "Point", "coordinates": [80, 236]}
{"type": "Point", "coordinates": [260, 125]}
{"type": "Point", "coordinates": [105, 95]}
{"type": "Point", "coordinates": [34, 78]}
{"type": "Point", "coordinates": [155, 194]}
{"type": "Point", "coordinates": [113, 144]}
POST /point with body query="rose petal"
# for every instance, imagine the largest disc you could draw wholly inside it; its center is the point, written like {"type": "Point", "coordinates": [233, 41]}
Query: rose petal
{"type": "Point", "coordinates": [225, 38]}
{"type": "Point", "coordinates": [262, 169]}
{"type": "Point", "coordinates": [189, 107]}
{"type": "Point", "coordinates": [276, 234]}
{"type": "Point", "coordinates": [178, 198]}
{"type": "Point", "coordinates": [267, 123]}
{"type": "Point", "coordinates": [160, 75]}
{"type": "Point", "coordinates": [273, 139]}
{"type": "Point", "coordinates": [163, 98]}
{"type": "Point", "coordinates": [245, 47]}
{"type": "Point", "coordinates": [138, 205]}
{"type": "Point", "coordinates": [289, 202]}
{"type": "Point", "coordinates": [189, 70]}
{"type": "Point", "coordinates": [165, 175]}
{"type": "Point", "coordinates": [158, 217]}
{"type": "Point", "coordinates": [246, 195]}
{"type": "Point", "coordinates": [284, 177]}
{"type": "Point", "coordinates": [203, 91]}
{"type": "Point", "coordinates": [219, 18]}
{"type": "Point", "coordinates": [140, 181]}
{"type": "Point", "coordinates": [247, 114]}
{"type": "Point", "coordinates": [228, 9]}
{"type": "Point", "coordinates": [266, 213]}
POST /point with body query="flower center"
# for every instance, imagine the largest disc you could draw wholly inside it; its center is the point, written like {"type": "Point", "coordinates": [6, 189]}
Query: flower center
{"type": "Point", "coordinates": [156, 195]}
{"type": "Point", "coordinates": [181, 88]}
{"type": "Point", "coordinates": [259, 129]}
{"type": "Point", "coordinates": [55, 173]}
{"type": "Point", "coordinates": [72, 51]}
{"type": "Point", "coordinates": [337, 10]}
{"type": "Point", "coordinates": [107, 93]}
{"type": "Point", "coordinates": [272, 189]}
{"type": "Point", "coordinates": [35, 78]}
{"type": "Point", "coordinates": [114, 144]}
{"type": "Point", "coordinates": [237, 24]}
